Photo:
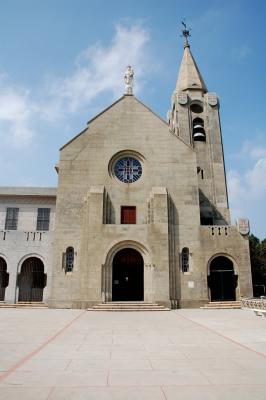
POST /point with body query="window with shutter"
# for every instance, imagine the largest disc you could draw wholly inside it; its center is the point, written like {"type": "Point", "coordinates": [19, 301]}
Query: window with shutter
{"type": "Point", "coordinates": [128, 215]}
{"type": "Point", "coordinates": [43, 219]}
{"type": "Point", "coordinates": [11, 218]}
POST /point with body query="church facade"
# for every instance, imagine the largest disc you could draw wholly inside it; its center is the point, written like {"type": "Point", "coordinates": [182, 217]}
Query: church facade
{"type": "Point", "coordinates": [141, 210]}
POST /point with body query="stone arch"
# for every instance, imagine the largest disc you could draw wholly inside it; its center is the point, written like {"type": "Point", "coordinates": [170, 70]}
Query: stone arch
{"type": "Point", "coordinates": [4, 257]}
{"type": "Point", "coordinates": [31, 279]}
{"type": "Point", "coordinates": [131, 244]}
{"type": "Point", "coordinates": [108, 265]}
{"type": "Point", "coordinates": [4, 277]}
{"type": "Point", "coordinates": [24, 258]}
{"type": "Point", "coordinates": [222, 254]}
{"type": "Point", "coordinates": [222, 278]}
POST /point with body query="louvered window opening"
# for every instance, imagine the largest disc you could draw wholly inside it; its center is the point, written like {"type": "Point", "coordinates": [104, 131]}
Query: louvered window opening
{"type": "Point", "coordinates": [11, 218]}
{"type": "Point", "coordinates": [43, 219]}
{"type": "Point", "coordinates": [185, 259]}
{"type": "Point", "coordinates": [69, 259]}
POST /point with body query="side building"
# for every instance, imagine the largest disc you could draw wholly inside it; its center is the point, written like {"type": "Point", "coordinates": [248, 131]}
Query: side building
{"type": "Point", "coordinates": [26, 238]}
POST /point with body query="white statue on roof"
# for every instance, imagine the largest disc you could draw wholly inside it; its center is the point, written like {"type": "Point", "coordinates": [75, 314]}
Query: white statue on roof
{"type": "Point", "coordinates": [128, 77]}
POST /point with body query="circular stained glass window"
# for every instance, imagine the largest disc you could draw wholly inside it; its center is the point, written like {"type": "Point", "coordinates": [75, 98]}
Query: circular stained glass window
{"type": "Point", "coordinates": [128, 169]}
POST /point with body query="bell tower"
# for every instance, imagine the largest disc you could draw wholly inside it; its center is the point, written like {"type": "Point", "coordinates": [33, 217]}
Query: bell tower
{"type": "Point", "coordinates": [194, 117]}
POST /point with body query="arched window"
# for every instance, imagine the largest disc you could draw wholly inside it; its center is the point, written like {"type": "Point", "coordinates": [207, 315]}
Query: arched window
{"type": "Point", "coordinates": [68, 259]}
{"type": "Point", "coordinates": [198, 130]}
{"type": "Point", "coordinates": [185, 259]}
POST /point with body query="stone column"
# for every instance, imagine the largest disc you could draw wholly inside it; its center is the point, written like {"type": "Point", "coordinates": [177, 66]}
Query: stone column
{"type": "Point", "coordinates": [148, 282]}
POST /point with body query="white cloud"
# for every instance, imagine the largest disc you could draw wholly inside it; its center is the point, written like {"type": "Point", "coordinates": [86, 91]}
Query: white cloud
{"type": "Point", "coordinates": [100, 68]}
{"type": "Point", "coordinates": [97, 70]}
{"type": "Point", "coordinates": [247, 191]}
{"type": "Point", "coordinates": [254, 151]}
{"type": "Point", "coordinates": [16, 112]}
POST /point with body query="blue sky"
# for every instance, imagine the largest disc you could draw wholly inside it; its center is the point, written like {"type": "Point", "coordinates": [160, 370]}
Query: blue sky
{"type": "Point", "coordinates": [62, 61]}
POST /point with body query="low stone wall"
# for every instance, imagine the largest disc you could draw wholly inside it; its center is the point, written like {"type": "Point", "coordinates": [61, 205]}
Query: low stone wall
{"type": "Point", "coordinates": [258, 304]}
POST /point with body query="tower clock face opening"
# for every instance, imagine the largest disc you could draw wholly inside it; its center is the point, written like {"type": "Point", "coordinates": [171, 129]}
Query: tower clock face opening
{"type": "Point", "coordinates": [128, 169]}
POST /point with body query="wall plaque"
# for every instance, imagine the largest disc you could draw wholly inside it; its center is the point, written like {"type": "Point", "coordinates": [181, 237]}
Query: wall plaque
{"type": "Point", "coordinates": [182, 98]}
{"type": "Point", "coordinates": [243, 226]}
{"type": "Point", "coordinates": [212, 99]}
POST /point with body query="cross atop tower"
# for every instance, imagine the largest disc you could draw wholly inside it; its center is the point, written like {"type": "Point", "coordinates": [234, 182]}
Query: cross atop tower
{"type": "Point", "coordinates": [185, 33]}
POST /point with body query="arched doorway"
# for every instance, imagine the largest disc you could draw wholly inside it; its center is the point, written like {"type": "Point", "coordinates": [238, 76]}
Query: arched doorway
{"type": "Point", "coordinates": [4, 278]}
{"type": "Point", "coordinates": [31, 280]}
{"type": "Point", "coordinates": [222, 281]}
{"type": "Point", "coordinates": [128, 276]}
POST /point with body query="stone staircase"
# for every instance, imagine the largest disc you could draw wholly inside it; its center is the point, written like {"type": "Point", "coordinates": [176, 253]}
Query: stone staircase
{"type": "Point", "coordinates": [220, 305]}
{"type": "Point", "coordinates": [24, 305]}
{"type": "Point", "coordinates": [128, 306]}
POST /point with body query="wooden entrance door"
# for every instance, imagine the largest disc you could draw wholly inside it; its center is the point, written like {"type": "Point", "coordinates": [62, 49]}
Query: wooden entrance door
{"type": "Point", "coordinates": [4, 278]}
{"type": "Point", "coordinates": [222, 281]}
{"type": "Point", "coordinates": [128, 276]}
{"type": "Point", "coordinates": [31, 280]}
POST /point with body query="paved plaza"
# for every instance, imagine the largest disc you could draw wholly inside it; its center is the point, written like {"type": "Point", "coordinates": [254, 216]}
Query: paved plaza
{"type": "Point", "coordinates": [183, 354]}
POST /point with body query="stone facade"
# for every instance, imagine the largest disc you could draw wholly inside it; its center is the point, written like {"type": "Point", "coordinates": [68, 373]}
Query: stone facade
{"type": "Point", "coordinates": [182, 230]}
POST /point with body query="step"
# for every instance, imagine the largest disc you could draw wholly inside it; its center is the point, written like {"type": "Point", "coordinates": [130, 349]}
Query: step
{"type": "Point", "coordinates": [128, 309]}
{"type": "Point", "coordinates": [24, 305]}
{"type": "Point", "coordinates": [225, 302]}
{"type": "Point", "coordinates": [128, 302]}
{"type": "Point", "coordinates": [128, 306]}
{"type": "Point", "coordinates": [219, 305]}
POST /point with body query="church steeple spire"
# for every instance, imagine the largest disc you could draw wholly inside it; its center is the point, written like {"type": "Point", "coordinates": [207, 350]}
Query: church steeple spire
{"type": "Point", "coordinates": [189, 76]}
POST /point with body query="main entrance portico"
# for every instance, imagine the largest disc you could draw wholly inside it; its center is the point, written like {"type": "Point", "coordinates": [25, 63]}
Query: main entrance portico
{"type": "Point", "coordinates": [128, 273]}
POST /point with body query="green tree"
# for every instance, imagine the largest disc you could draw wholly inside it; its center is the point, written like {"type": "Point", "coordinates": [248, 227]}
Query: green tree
{"type": "Point", "coordinates": [258, 264]}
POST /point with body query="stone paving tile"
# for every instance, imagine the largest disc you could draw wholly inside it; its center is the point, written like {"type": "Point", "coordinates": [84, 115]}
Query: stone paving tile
{"type": "Point", "coordinates": [258, 346]}
{"type": "Point", "coordinates": [190, 393]}
{"type": "Point", "coordinates": [55, 378]}
{"type": "Point", "coordinates": [194, 364]}
{"type": "Point", "coordinates": [119, 364]}
{"type": "Point", "coordinates": [229, 376]}
{"type": "Point", "coordinates": [144, 355]}
{"type": "Point", "coordinates": [108, 393]}
{"type": "Point", "coordinates": [224, 392]}
{"type": "Point", "coordinates": [97, 339]}
{"type": "Point", "coordinates": [44, 364]}
{"type": "Point", "coordinates": [24, 393]}
{"type": "Point", "coordinates": [155, 378]}
{"type": "Point", "coordinates": [251, 363]}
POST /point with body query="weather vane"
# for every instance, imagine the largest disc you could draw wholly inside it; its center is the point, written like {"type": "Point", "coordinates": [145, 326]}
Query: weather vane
{"type": "Point", "coordinates": [185, 33]}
